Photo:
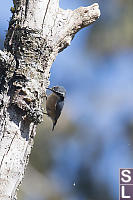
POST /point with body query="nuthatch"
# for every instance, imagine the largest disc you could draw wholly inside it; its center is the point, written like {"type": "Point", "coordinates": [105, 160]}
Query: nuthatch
{"type": "Point", "coordinates": [55, 103]}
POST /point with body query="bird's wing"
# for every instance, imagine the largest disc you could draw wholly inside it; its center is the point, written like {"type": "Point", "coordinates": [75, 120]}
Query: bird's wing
{"type": "Point", "coordinates": [59, 107]}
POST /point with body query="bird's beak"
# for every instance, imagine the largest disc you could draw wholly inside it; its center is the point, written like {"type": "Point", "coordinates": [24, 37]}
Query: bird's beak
{"type": "Point", "coordinates": [49, 89]}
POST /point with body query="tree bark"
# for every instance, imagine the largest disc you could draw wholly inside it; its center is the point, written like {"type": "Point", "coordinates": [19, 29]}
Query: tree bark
{"type": "Point", "coordinates": [38, 31]}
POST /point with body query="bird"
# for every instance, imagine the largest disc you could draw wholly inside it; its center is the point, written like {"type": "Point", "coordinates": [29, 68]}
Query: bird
{"type": "Point", "coordinates": [55, 103]}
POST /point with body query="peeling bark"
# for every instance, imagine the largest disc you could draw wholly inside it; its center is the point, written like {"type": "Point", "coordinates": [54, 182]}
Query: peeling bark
{"type": "Point", "coordinates": [38, 31]}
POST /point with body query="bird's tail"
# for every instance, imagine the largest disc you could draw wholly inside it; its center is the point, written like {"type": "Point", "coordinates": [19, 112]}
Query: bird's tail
{"type": "Point", "coordinates": [54, 123]}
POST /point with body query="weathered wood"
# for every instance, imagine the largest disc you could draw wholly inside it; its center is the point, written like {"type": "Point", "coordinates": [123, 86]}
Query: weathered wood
{"type": "Point", "coordinates": [37, 32]}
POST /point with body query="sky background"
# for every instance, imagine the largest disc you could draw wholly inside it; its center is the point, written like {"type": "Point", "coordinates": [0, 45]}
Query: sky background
{"type": "Point", "coordinates": [94, 135]}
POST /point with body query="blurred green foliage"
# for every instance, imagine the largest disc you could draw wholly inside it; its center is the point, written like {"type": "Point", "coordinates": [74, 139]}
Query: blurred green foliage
{"type": "Point", "coordinates": [113, 32]}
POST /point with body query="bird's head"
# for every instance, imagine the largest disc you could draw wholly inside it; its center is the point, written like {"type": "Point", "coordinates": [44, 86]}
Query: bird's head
{"type": "Point", "coordinates": [59, 90]}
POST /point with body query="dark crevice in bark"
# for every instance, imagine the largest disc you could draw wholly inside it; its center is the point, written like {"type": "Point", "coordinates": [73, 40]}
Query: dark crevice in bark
{"type": "Point", "coordinates": [45, 14]}
{"type": "Point", "coordinates": [7, 150]}
{"type": "Point", "coordinates": [26, 8]}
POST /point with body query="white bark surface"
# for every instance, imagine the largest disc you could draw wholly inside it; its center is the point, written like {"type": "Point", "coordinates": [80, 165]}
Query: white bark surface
{"type": "Point", "coordinates": [37, 32]}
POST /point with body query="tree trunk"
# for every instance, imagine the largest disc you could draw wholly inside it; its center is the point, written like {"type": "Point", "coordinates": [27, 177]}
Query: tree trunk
{"type": "Point", "coordinates": [38, 31]}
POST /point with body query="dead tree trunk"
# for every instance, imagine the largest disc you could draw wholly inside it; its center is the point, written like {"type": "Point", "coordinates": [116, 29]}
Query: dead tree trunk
{"type": "Point", "coordinates": [37, 32]}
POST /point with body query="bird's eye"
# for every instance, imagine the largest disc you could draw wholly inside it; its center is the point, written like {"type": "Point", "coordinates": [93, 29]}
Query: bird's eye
{"type": "Point", "coordinates": [55, 88]}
